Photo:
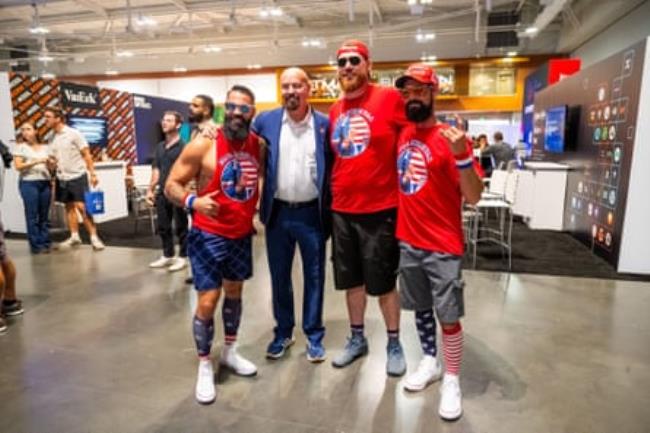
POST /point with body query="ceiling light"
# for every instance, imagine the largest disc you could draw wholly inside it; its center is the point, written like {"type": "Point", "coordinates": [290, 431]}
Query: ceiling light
{"type": "Point", "coordinates": [124, 54]}
{"type": "Point", "coordinates": [111, 71]}
{"type": "Point", "coordinates": [531, 30]}
{"type": "Point", "coordinates": [254, 66]}
{"type": "Point", "coordinates": [507, 60]}
{"type": "Point", "coordinates": [179, 69]}
{"type": "Point", "coordinates": [419, 2]}
{"type": "Point", "coordinates": [39, 30]}
{"type": "Point", "coordinates": [212, 49]}
{"type": "Point", "coordinates": [512, 53]}
{"type": "Point", "coordinates": [145, 21]}
{"type": "Point", "coordinates": [313, 43]}
{"type": "Point", "coordinates": [48, 76]}
{"type": "Point", "coordinates": [44, 57]}
{"type": "Point", "coordinates": [423, 37]}
{"type": "Point", "coordinates": [267, 12]}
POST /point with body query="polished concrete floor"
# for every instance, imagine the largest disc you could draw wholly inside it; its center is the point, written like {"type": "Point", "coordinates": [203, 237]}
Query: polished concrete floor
{"type": "Point", "coordinates": [105, 346]}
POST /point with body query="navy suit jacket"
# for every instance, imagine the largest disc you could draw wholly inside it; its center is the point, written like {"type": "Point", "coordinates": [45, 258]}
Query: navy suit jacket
{"type": "Point", "coordinates": [268, 125]}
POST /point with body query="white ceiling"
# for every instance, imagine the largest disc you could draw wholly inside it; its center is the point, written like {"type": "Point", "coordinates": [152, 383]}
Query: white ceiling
{"type": "Point", "coordinates": [86, 36]}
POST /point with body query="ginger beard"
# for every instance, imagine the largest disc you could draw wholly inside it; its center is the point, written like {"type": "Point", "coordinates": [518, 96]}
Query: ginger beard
{"type": "Point", "coordinates": [351, 80]}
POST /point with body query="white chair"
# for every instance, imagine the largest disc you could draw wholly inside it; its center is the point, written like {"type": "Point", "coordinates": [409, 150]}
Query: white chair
{"type": "Point", "coordinates": [141, 209]}
{"type": "Point", "coordinates": [501, 234]}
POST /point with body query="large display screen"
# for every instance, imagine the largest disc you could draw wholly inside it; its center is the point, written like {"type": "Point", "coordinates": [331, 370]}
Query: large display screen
{"type": "Point", "coordinates": [94, 129]}
{"type": "Point", "coordinates": [555, 129]}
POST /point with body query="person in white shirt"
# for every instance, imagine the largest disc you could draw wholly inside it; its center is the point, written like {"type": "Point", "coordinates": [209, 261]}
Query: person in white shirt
{"type": "Point", "coordinates": [295, 209]}
{"type": "Point", "coordinates": [31, 161]}
{"type": "Point", "coordinates": [70, 153]}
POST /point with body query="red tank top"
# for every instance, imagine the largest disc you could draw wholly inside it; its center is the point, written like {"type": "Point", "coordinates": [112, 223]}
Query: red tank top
{"type": "Point", "coordinates": [236, 179]}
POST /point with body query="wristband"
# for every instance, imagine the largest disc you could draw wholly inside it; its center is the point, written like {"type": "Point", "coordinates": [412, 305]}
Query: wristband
{"type": "Point", "coordinates": [463, 156]}
{"type": "Point", "coordinates": [189, 202]}
{"type": "Point", "coordinates": [464, 163]}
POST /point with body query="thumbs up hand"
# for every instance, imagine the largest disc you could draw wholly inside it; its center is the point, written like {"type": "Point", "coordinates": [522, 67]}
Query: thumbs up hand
{"type": "Point", "coordinates": [207, 204]}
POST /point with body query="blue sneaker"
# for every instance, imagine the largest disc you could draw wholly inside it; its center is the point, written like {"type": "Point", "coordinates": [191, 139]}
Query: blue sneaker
{"type": "Point", "coordinates": [278, 347]}
{"type": "Point", "coordinates": [395, 362]}
{"type": "Point", "coordinates": [315, 352]}
{"type": "Point", "coordinates": [356, 347]}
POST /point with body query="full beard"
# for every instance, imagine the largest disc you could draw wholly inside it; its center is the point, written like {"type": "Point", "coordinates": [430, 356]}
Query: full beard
{"type": "Point", "coordinates": [236, 128]}
{"type": "Point", "coordinates": [352, 82]}
{"type": "Point", "coordinates": [417, 112]}
{"type": "Point", "coordinates": [195, 118]}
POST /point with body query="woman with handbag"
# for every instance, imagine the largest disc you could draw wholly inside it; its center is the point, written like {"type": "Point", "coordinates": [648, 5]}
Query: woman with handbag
{"type": "Point", "coordinates": [31, 161]}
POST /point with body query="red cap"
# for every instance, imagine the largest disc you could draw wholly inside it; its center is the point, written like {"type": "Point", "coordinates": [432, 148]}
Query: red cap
{"type": "Point", "coordinates": [420, 72]}
{"type": "Point", "coordinates": [353, 46]}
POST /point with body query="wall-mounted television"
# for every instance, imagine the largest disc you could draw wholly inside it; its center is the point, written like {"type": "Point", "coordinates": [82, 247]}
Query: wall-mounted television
{"type": "Point", "coordinates": [555, 129]}
{"type": "Point", "coordinates": [94, 129]}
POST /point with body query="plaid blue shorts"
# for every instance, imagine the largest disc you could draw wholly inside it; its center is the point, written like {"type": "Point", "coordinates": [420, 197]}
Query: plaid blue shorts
{"type": "Point", "coordinates": [214, 258]}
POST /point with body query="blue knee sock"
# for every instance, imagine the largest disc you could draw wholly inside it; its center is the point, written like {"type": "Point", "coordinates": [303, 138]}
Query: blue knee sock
{"type": "Point", "coordinates": [231, 313]}
{"type": "Point", "coordinates": [425, 322]}
{"type": "Point", "coordinates": [203, 335]}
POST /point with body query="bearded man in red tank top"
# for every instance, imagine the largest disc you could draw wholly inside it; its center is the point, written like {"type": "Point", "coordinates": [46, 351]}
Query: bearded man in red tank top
{"type": "Point", "coordinates": [226, 165]}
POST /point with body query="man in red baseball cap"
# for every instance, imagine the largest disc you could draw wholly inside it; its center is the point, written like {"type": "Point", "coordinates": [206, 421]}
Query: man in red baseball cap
{"type": "Point", "coordinates": [365, 123]}
{"type": "Point", "coordinates": [436, 172]}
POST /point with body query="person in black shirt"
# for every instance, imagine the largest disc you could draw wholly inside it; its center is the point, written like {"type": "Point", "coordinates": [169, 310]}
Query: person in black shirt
{"type": "Point", "coordinates": [166, 153]}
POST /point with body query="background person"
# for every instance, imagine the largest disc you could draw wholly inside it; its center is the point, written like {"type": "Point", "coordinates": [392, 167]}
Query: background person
{"type": "Point", "coordinates": [501, 151]}
{"type": "Point", "coordinates": [71, 154]}
{"type": "Point", "coordinates": [166, 153]}
{"type": "Point", "coordinates": [31, 161]}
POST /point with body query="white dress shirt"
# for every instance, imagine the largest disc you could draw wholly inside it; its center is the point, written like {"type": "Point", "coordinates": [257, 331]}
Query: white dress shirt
{"type": "Point", "coordinates": [296, 175]}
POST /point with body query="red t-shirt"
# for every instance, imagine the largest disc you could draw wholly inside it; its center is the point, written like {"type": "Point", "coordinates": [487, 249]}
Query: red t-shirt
{"type": "Point", "coordinates": [236, 178]}
{"type": "Point", "coordinates": [429, 212]}
{"type": "Point", "coordinates": [364, 138]}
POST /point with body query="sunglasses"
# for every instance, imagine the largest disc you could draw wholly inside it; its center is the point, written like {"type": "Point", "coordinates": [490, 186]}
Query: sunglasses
{"type": "Point", "coordinates": [354, 61]}
{"type": "Point", "coordinates": [416, 91]}
{"type": "Point", "coordinates": [243, 108]}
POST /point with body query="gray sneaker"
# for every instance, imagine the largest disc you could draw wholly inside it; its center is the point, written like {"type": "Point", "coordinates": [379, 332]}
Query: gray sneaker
{"type": "Point", "coordinates": [356, 347]}
{"type": "Point", "coordinates": [395, 362]}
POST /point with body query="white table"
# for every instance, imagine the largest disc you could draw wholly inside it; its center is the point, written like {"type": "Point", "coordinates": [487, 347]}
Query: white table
{"type": "Point", "coordinates": [112, 176]}
{"type": "Point", "coordinates": [541, 195]}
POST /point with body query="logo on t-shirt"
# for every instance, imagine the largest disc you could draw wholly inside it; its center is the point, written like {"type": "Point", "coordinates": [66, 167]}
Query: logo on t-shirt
{"type": "Point", "coordinates": [239, 177]}
{"type": "Point", "coordinates": [352, 133]}
{"type": "Point", "coordinates": [412, 164]}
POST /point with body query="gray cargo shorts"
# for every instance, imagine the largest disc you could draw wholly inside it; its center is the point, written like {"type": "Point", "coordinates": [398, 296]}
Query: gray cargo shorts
{"type": "Point", "coordinates": [431, 280]}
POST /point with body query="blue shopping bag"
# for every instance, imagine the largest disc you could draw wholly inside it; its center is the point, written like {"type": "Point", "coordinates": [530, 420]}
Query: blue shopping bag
{"type": "Point", "coordinates": [94, 201]}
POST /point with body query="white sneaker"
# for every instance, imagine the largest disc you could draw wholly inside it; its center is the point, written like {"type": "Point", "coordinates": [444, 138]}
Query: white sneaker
{"type": "Point", "coordinates": [72, 241]}
{"type": "Point", "coordinates": [237, 363]}
{"type": "Point", "coordinates": [451, 407]}
{"type": "Point", "coordinates": [178, 264]}
{"type": "Point", "coordinates": [428, 371]}
{"type": "Point", "coordinates": [205, 391]}
{"type": "Point", "coordinates": [162, 262]}
{"type": "Point", "coordinates": [97, 243]}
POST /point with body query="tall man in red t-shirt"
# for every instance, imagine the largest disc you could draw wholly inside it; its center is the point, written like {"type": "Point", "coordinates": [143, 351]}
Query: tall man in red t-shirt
{"type": "Point", "coordinates": [365, 124]}
{"type": "Point", "coordinates": [225, 164]}
{"type": "Point", "coordinates": [436, 172]}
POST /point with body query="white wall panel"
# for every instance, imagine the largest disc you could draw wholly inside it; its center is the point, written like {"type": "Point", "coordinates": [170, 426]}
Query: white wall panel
{"type": "Point", "coordinates": [184, 89]}
{"type": "Point", "coordinates": [144, 87]}
{"type": "Point", "coordinates": [11, 204]}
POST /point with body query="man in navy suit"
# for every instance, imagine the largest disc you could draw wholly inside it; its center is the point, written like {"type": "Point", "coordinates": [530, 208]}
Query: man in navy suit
{"type": "Point", "coordinates": [295, 209]}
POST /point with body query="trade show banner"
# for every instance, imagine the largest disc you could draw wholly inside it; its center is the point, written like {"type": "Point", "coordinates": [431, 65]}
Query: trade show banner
{"type": "Point", "coordinates": [148, 112]}
{"type": "Point", "coordinates": [588, 122]}
{"type": "Point", "coordinates": [78, 96]}
{"type": "Point", "coordinates": [103, 116]}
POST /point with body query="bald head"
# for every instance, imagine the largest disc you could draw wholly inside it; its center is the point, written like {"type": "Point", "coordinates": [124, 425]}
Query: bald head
{"type": "Point", "coordinates": [295, 89]}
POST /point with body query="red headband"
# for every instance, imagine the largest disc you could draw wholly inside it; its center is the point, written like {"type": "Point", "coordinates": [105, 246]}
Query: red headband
{"type": "Point", "coordinates": [353, 46]}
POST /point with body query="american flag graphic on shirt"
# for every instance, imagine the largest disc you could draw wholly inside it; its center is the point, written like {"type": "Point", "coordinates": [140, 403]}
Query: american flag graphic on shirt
{"type": "Point", "coordinates": [411, 169]}
{"type": "Point", "coordinates": [351, 134]}
{"type": "Point", "coordinates": [239, 178]}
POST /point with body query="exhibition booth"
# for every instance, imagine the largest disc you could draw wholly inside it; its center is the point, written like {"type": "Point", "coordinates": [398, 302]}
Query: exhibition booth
{"type": "Point", "coordinates": [581, 130]}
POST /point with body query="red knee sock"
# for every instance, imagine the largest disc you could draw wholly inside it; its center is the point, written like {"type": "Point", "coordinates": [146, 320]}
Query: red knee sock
{"type": "Point", "coordinates": [452, 345]}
